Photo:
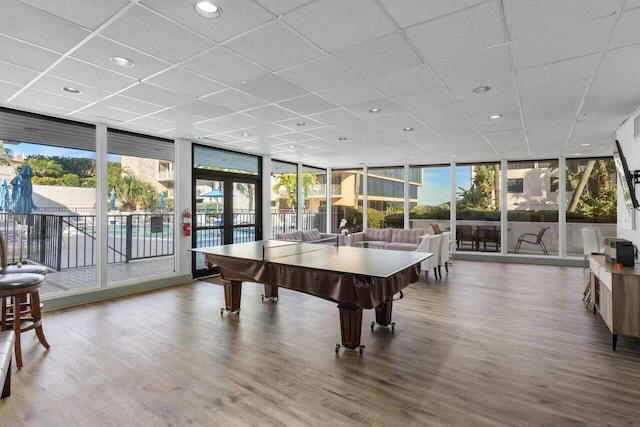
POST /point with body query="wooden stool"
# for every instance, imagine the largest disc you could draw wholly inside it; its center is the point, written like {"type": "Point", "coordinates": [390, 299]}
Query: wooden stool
{"type": "Point", "coordinates": [20, 293]}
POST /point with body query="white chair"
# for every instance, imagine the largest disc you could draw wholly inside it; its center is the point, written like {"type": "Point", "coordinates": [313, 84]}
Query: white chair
{"type": "Point", "coordinates": [430, 244]}
{"type": "Point", "coordinates": [590, 244]}
{"type": "Point", "coordinates": [443, 254]}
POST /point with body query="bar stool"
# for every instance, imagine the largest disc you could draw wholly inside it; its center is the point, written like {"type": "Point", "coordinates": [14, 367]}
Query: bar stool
{"type": "Point", "coordinates": [20, 293]}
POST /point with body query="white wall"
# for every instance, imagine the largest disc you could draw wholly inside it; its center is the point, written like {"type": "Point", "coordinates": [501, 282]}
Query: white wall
{"type": "Point", "coordinates": [627, 218]}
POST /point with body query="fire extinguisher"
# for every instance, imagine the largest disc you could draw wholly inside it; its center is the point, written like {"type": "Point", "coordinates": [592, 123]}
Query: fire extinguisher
{"type": "Point", "coordinates": [186, 223]}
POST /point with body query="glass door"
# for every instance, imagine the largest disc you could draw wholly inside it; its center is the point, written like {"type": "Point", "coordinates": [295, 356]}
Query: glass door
{"type": "Point", "coordinates": [225, 212]}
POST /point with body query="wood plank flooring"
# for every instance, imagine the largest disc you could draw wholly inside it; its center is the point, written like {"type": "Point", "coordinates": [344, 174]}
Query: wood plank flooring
{"type": "Point", "coordinates": [491, 344]}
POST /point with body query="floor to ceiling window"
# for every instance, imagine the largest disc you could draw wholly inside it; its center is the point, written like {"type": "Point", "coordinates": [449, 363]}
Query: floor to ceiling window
{"type": "Point", "coordinates": [385, 197]}
{"type": "Point", "coordinates": [478, 207]}
{"type": "Point", "coordinates": [140, 229]}
{"type": "Point", "coordinates": [314, 197]}
{"type": "Point", "coordinates": [532, 203]}
{"type": "Point", "coordinates": [346, 200]}
{"type": "Point", "coordinates": [57, 157]}
{"type": "Point", "coordinates": [433, 207]}
{"type": "Point", "coordinates": [284, 197]}
{"type": "Point", "coordinates": [591, 199]}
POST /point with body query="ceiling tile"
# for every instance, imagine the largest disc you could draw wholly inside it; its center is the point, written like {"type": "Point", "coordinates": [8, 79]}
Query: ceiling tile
{"type": "Point", "coordinates": [225, 66]}
{"type": "Point", "coordinates": [477, 65]}
{"type": "Point", "coordinates": [271, 113]}
{"type": "Point", "coordinates": [98, 50]}
{"type": "Point", "coordinates": [280, 7]}
{"type": "Point", "coordinates": [354, 93]}
{"type": "Point", "coordinates": [274, 46]}
{"type": "Point", "coordinates": [203, 109]}
{"type": "Point", "coordinates": [563, 71]}
{"type": "Point", "coordinates": [46, 98]}
{"type": "Point", "coordinates": [15, 74]}
{"type": "Point", "coordinates": [129, 104]}
{"type": "Point", "coordinates": [234, 100]}
{"type": "Point", "coordinates": [237, 17]}
{"type": "Point", "coordinates": [90, 75]}
{"type": "Point", "coordinates": [54, 85]}
{"type": "Point", "coordinates": [144, 30]}
{"type": "Point", "coordinates": [410, 12]}
{"type": "Point", "coordinates": [294, 124]}
{"type": "Point", "coordinates": [389, 54]}
{"type": "Point", "coordinates": [228, 123]}
{"type": "Point", "coordinates": [7, 90]}
{"type": "Point", "coordinates": [626, 32]}
{"type": "Point", "coordinates": [332, 117]}
{"type": "Point", "coordinates": [408, 80]}
{"type": "Point", "coordinates": [568, 43]}
{"type": "Point", "coordinates": [156, 95]}
{"type": "Point", "coordinates": [153, 123]}
{"type": "Point", "coordinates": [499, 84]}
{"type": "Point", "coordinates": [474, 28]}
{"type": "Point", "coordinates": [272, 88]}
{"type": "Point", "coordinates": [86, 13]}
{"type": "Point", "coordinates": [111, 114]}
{"type": "Point", "coordinates": [353, 22]}
{"type": "Point", "coordinates": [322, 73]}
{"type": "Point", "coordinates": [527, 18]}
{"type": "Point", "coordinates": [25, 55]}
{"type": "Point", "coordinates": [422, 100]}
{"type": "Point", "coordinates": [308, 104]}
{"type": "Point", "coordinates": [43, 29]}
{"type": "Point", "coordinates": [184, 81]}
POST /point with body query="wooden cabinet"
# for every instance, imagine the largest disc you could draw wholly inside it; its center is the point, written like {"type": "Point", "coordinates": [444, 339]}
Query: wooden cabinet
{"type": "Point", "coordinates": [616, 296]}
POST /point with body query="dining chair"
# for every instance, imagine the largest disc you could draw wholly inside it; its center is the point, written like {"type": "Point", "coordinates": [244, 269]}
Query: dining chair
{"type": "Point", "coordinates": [465, 234]}
{"type": "Point", "coordinates": [444, 258]}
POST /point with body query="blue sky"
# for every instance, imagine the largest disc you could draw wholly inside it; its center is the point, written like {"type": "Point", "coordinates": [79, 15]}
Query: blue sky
{"type": "Point", "coordinates": [437, 183]}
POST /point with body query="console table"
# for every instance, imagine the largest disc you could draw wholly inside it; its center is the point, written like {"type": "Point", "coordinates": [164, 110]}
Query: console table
{"type": "Point", "coordinates": [616, 296]}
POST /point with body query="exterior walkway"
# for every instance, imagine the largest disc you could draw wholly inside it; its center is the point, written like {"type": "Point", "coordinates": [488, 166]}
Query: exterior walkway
{"type": "Point", "coordinates": [85, 277]}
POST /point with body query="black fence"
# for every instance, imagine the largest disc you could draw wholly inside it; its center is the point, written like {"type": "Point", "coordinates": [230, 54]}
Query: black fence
{"type": "Point", "coordinates": [62, 241]}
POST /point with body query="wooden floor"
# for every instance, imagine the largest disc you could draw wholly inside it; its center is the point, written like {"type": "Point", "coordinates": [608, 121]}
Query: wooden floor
{"type": "Point", "coordinates": [491, 344]}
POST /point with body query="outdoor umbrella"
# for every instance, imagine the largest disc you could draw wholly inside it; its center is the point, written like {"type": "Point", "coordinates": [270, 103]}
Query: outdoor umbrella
{"type": "Point", "coordinates": [112, 205]}
{"type": "Point", "coordinates": [4, 196]}
{"type": "Point", "coordinates": [160, 201]}
{"type": "Point", "coordinates": [23, 202]}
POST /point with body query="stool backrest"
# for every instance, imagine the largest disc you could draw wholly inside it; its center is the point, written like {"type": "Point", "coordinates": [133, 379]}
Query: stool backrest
{"type": "Point", "coordinates": [3, 251]}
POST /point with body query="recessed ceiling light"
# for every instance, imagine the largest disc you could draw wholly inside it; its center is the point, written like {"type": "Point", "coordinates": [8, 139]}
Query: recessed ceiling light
{"type": "Point", "coordinates": [586, 144]}
{"type": "Point", "coordinates": [301, 124]}
{"type": "Point", "coordinates": [481, 89]}
{"type": "Point", "coordinates": [245, 134]}
{"type": "Point", "coordinates": [577, 154]}
{"type": "Point", "coordinates": [71, 89]}
{"type": "Point", "coordinates": [375, 110]}
{"type": "Point", "coordinates": [208, 9]}
{"type": "Point", "coordinates": [495, 116]}
{"type": "Point", "coordinates": [292, 146]}
{"type": "Point", "coordinates": [342, 138]}
{"type": "Point", "coordinates": [407, 129]}
{"type": "Point", "coordinates": [452, 155]}
{"type": "Point", "coordinates": [122, 62]}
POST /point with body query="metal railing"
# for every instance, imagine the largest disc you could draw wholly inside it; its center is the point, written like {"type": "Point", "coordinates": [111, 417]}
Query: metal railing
{"type": "Point", "coordinates": [69, 241]}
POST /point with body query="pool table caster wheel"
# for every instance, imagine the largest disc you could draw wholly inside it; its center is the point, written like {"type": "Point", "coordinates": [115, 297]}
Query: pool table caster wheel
{"type": "Point", "coordinates": [392, 324]}
{"type": "Point", "coordinates": [269, 299]}
{"type": "Point", "coordinates": [338, 348]}
{"type": "Point", "coordinates": [372, 325]}
{"type": "Point", "coordinates": [222, 310]}
{"type": "Point", "coordinates": [359, 349]}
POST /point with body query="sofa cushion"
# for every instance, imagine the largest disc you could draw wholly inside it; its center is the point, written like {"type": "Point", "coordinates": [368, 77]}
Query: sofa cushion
{"type": "Point", "coordinates": [378, 234]}
{"type": "Point", "coordinates": [407, 236]}
{"type": "Point", "coordinates": [398, 246]}
{"type": "Point", "coordinates": [294, 236]}
{"type": "Point", "coordinates": [310, 235]}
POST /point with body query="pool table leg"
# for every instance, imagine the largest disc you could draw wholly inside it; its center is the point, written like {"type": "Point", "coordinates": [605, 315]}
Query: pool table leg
{"type": "Point", "coordinates": [270, 293]}
{"type": "Point", "coordinates": [232, 296]}
{"type": "Point", "coordinates": [350, 327]}
{"type": "Point", "coordinates": [383, 315]}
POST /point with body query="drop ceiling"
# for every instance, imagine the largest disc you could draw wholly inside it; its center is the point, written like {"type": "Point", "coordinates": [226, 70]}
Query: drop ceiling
{"type": "Point", "coordinates": [298, 79]}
